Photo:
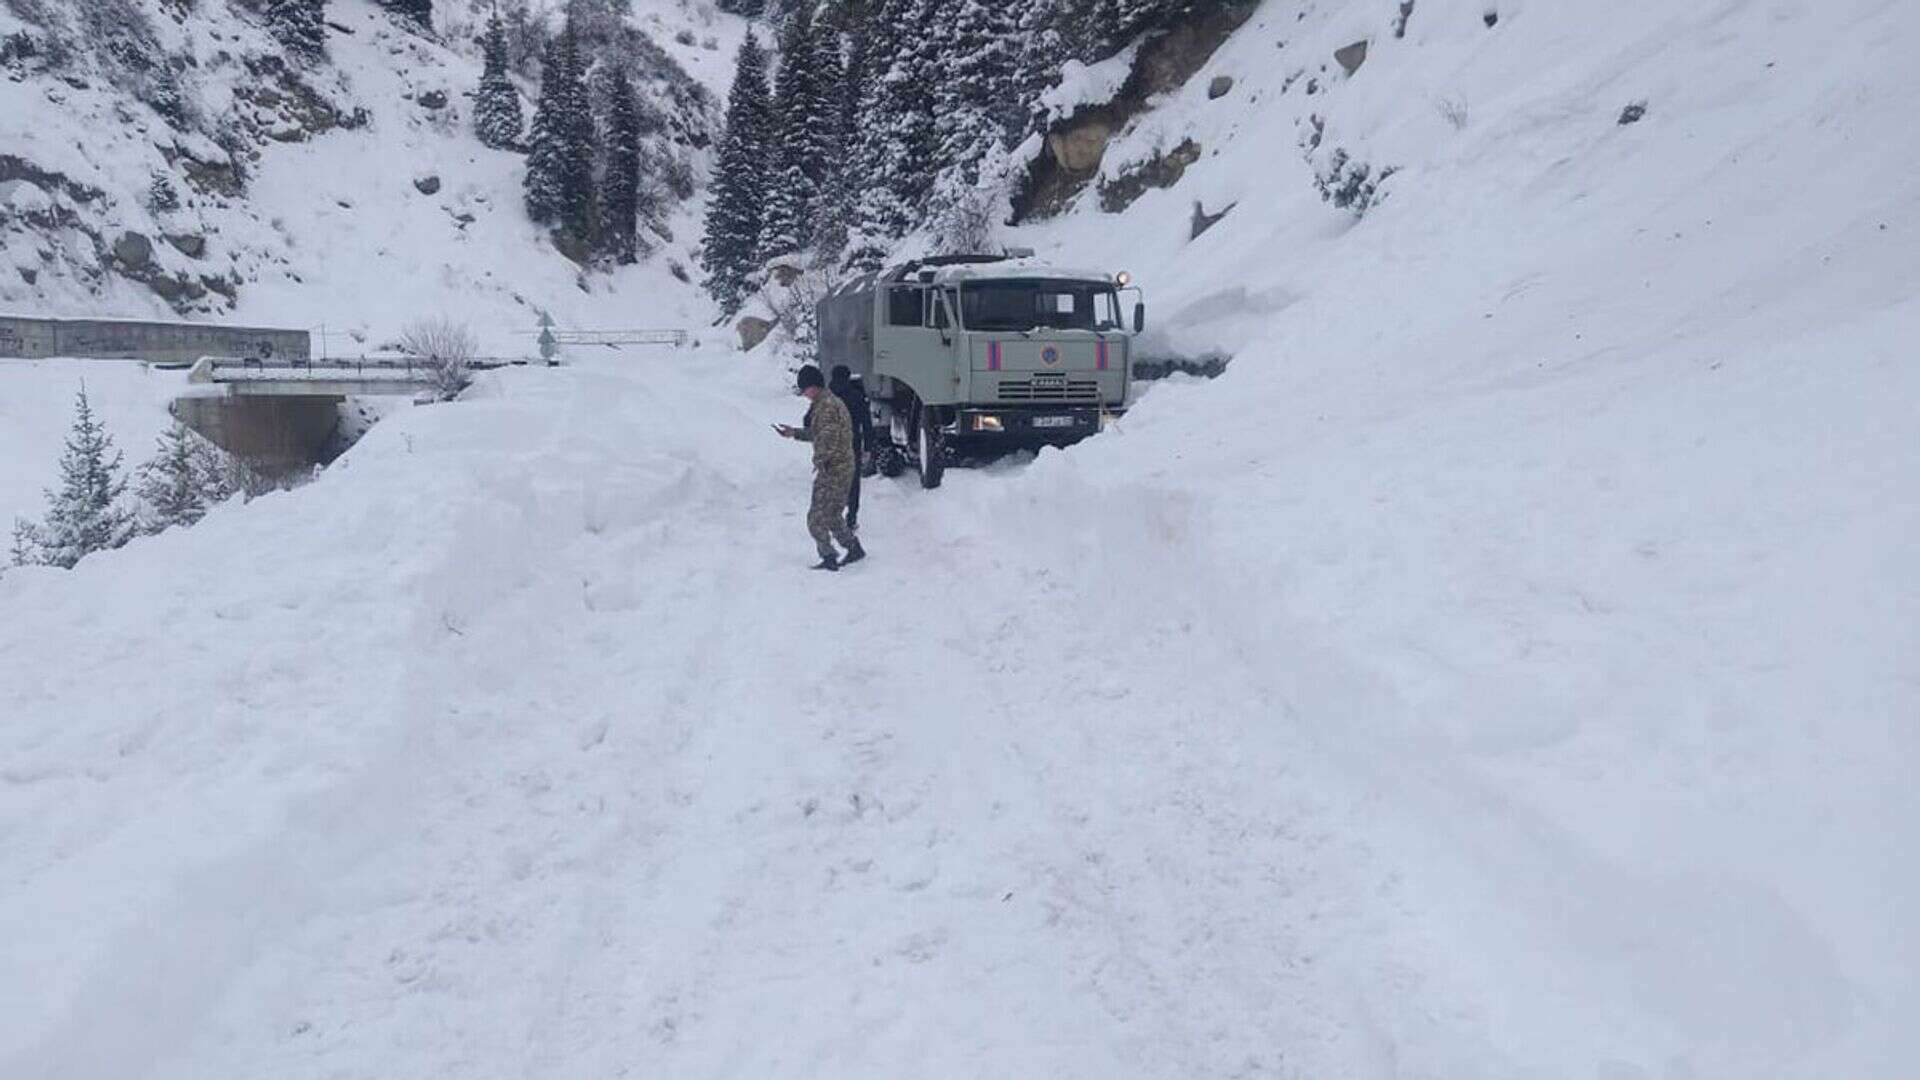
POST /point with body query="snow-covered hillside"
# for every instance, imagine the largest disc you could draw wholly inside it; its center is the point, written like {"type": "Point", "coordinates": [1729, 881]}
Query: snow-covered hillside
{"type": "Point", "coordinates": [347, 194]}
{"type": "Point", "coordinates": [1507, 669]}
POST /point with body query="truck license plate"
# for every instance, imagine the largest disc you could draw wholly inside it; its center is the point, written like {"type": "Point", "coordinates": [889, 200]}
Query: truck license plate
{"type": "Point", "coordinates": [1053, 421]}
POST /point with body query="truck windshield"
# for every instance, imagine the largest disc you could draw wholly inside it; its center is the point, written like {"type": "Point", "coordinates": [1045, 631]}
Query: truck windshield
{"type": "Point", "coordinates": [1039, 305]}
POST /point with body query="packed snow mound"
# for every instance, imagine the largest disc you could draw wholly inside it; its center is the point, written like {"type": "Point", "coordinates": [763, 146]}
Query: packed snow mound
{"type": "Point", "coordinates": [1505, 670]}
{"type": "Point", "coordinates": [347, 193]}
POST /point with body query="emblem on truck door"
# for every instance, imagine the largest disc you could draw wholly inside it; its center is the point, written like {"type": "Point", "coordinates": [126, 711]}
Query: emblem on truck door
{"type": "Point", "coordinates": [1050, 354]}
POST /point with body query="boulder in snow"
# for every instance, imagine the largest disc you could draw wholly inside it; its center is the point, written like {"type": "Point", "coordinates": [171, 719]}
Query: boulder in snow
{"type": "Point", "coordinates": [1220, 87]}
{"type": "Point", "coordinates": [133, 250]}
{"type": "Point", "coordinates": [753, 330]}
{"type": "Point", "coordinates": [192, 245]}
{"type": "Point", "coordinates": [427, 185]}
{"type": "Point", "coordinates": [1352, 56]}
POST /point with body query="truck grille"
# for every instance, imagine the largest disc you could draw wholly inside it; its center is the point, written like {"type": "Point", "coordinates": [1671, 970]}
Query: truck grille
{"type": "Point", "coordinates": [1044, 389]}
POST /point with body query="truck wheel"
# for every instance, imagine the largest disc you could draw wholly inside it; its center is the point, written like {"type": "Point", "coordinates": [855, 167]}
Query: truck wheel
{"type": "Point", "coordinates": [933, 451]}
{"type": "Point", "coordinates": [892, 462]}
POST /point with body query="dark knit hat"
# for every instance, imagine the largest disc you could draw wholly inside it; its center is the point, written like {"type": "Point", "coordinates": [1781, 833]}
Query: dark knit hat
{"type": "Point", "coordinates": [810, 376]}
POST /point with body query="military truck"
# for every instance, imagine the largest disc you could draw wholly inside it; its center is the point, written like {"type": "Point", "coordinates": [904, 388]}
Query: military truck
{"type": "Point", "coordinates": [970, 356]}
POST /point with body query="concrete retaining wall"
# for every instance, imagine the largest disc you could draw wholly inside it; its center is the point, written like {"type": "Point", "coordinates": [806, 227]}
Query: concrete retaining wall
{"type": "Point", "coordinates": [163, 342]}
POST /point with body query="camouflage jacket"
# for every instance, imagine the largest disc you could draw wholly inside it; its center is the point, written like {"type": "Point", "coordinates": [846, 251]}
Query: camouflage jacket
{"type": "Point", "coordinates": [830, 429]}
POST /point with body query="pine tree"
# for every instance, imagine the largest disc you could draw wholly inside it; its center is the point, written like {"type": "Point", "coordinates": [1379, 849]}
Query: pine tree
{"type": "Point", "coordinates": [26, 550]}
{"type": "Point", "coordinates": [171, 484]}
{"type": "Point", "coordinates": [977, 99]}
{"type": "Point", "coordinates": [162, 196]}
{"type": "Point", "coordinates": [220, 475]}
{"type": "Point", "coordinates": [579, 216]}
{"type": "Point", "coordinates": [83, 514]}
{"type": "Point", "coordinates": [620, 172]}
{"type": "Point", "coordinates": [545, 197]}
{"type": "Point", "coordinates": [419, 12]}
{"type": "Point", "coordinates": [735, 214]}
{"type": "Point", "coordinates": [300, 25]}
{"type": "Point", "coordinates": [1043, 49]}
{"type": "Point", "coordinates": [804, 107]}
{"type": "Point", "coordinates": [838, 72]}
{"type": "Point", "coordinates": [898, 140]}
{"type": "Point", "coordinates": [559, 181]}
{"type": "Point", "coordinates": [496, 107]}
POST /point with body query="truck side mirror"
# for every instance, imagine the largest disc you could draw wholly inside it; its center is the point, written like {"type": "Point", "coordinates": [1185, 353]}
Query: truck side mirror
{"type": "Point", "coordinates": [1139, 316]}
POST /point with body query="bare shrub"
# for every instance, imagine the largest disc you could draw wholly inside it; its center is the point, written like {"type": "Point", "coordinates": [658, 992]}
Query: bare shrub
{"type": "Point", "coordinates": [965, 225]}
{"type": "Point", "coordinates": [1453, 110]}
{"type": "Point", "coordinates": [446, 349]}
{"type": "Point", "coordinates": [1351, 185]}
{"type": "Point", "coordinates": [796, 305]}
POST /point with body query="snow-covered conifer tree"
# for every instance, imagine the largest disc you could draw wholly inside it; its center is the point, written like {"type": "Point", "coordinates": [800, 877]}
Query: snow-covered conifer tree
{"type": "Point", "coordinates": [419, 12]}
{"type": "Point", "coordinates": [496, 107]}
{"type": "Point", "coordinates": [898, 141]}
{"type": "Point", "coordinates": [977, 98]}
{"type": "Point", "coordinates": [559, 181]}
{"type": "Point", "coordinates": [832, 204]}
{"type": "Point", "coordinates": [1043, 49]}
{"type": "Point", "coordinates": [300, 25]}
{"type": "Point", "coordinates": [26, 544]}
{"type": "Point", "coordinates": [162, 196]}
{"type": "Point", "coordinates": [170, 483]}
{"type": "Point", "coordinates": [84, 514]}
{"type": "Point", "coordinates": [735, 214]}
{"type": "Point", "coordinates": [620, 172]}
{"type": "Point", "coordinates": [543, 183]}
{"type": "Point", "coordinates": [803, 105]}
{"type": "Point", "coordinates": [580, 214]}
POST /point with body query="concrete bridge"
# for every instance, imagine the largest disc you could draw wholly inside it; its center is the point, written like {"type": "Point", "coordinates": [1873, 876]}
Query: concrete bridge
{"type": "Point", "coordinates": [280, 416]}
{"type": "Point", "coordinates": [252, 377]}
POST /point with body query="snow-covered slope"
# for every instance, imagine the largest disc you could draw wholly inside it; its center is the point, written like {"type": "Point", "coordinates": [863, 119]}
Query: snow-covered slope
{"type": "Point", "coordinates": [366, 201]}
{"type": "Point", "coordinates": [1507, 669]}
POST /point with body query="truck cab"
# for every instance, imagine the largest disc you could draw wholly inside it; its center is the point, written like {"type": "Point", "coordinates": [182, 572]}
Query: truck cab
{"type": "Point", "coordinates": [972, 356]}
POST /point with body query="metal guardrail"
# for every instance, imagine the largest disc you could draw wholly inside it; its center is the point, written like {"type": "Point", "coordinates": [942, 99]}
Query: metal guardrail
{"type": "Point", "coordinates": [253, 369]}
{"type": "Point", "coordinates": [675, 338]}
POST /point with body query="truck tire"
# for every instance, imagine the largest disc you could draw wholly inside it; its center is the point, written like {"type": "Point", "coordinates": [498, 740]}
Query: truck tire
{"type": "Point", "coordinates": [892, 462]}
{"type": "Point", "coordinates": [932, 450]}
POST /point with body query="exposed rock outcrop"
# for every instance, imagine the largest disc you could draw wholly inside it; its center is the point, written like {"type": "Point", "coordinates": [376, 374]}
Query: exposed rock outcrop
{"type": "Point", "coordinates": [1162, 171]}
{"type": "Point", "coordinates": [1076, 145]}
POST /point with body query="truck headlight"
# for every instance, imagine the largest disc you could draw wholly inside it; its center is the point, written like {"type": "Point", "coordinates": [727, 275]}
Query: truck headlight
{"type": "Point", "coordinates": [987, 423]}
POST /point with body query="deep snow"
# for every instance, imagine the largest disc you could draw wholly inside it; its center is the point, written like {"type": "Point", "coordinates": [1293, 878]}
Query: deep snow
{"type": "Point", "coordinates": [1507, 669]}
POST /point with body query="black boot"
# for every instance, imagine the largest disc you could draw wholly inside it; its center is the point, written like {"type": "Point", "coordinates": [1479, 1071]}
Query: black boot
{"type": "Point", "coordinates": [854, 552]}
{"type": "Point", "coordinates": [829, 561]}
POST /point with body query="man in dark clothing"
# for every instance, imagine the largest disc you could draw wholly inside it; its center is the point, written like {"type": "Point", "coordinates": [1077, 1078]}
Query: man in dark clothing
{"type": "Point", "coordinates": [853, 393]}
{"type": "Point", "coordinates": [830, 430]}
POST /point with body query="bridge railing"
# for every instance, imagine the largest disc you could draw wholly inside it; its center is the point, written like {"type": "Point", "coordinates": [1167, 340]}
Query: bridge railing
{"type": "Point", "coordinates": [673, 338]}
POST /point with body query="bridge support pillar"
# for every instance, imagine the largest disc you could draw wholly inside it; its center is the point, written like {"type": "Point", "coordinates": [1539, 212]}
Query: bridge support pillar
{"type": "Point", "coordinates": [276, 435]}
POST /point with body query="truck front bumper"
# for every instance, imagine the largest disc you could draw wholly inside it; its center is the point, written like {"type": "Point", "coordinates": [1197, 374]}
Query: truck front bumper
{"type": "Point", "coordinates": [1028, 427]}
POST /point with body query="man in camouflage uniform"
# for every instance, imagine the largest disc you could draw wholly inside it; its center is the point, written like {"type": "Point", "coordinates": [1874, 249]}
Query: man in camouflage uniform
{"type": "Point", "coordinates": [830, 429]}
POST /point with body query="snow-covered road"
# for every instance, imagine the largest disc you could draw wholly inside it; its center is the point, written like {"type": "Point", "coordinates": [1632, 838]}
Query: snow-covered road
{"type": "Point", "coordinates": [523, 744]}
{"type": "Point", "coordinates": [553, 747]}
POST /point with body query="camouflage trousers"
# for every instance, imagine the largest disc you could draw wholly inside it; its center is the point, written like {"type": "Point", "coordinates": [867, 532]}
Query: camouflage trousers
{"type": "Point", "coordinates": [826, 517]}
